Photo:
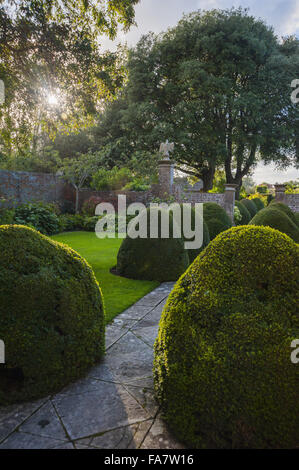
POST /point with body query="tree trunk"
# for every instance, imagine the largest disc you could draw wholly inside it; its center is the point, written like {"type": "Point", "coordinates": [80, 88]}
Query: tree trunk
{"type": "Point", "coordinates": [77, 200]}
{"type": "Point", "coordinates": [207, 176]}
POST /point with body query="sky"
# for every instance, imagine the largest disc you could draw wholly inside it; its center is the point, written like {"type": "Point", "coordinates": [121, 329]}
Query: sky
{"type": "Point", "coordinates": [158, 15]}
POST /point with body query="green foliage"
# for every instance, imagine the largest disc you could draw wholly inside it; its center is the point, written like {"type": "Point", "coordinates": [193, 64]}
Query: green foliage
{"type": "Point", "coordinates": [51, 315]}
{"type": "Point", "coordinates": [272, 217]}
{"type": "Point", "coordinates": [114, 179]}
{"type": "Point", "coordinates": [216, 219]}
{"type": "Point", "coordinates": [250, 206]}
{"type": "Point", "coordinates": [297, 217]}
{"type": "Point", "coordinates": [258, 203]}
{"type": "Point", "coordinates": [192, 254]}
{"type": "Point", "coordinates": [202, 84]}
{"type": "Point", "coordinates": [245, 214]}
{"type": "Point", "coordinates": [6, 216]}
{"type": "Point", "coordinates": [39, 216]}
{"type": "Point", "coordinates": [71, 222]}
{"type": "Point", "coordinates": [222, 365]}
{"type": "Point", "coordinates": [137, 184]}
{"type": "Point", "coordinates": [285, 209]}
{"type": "Point", "coordinates": [262, 189]}
{"type": "Point", "coordinates": [154, 259]}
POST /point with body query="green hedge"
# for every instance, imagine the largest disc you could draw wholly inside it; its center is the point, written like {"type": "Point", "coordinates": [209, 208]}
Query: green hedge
{"type": "Point", "coordinates": [206, 236]}
{"type": "Point", "coordinates": [246, 217]}
{"type": "Point", "coordinates": [274, 218]}
{"type": "Point", "coordinates": [222, 367]}
{"type": "Point", "coordinates": [250, 206]}
{"type": "Point", "coordinates": [153, 259]}
{"type": "Point", "coordinates": [51, 315]}
{"type": "Point", "coordinates": [285, 209]}
{"type": "Point", "coordinates": [258, 203]}
{"type": "Point", "coordinates": [216, 219]}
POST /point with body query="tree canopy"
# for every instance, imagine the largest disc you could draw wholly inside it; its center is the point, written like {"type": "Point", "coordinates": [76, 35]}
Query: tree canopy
{"type": "Point", "coordinates": [218, 85]}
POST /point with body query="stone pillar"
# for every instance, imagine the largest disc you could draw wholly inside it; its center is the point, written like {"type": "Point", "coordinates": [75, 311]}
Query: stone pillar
{"type": "Point", "coordinates": [229, 199]}
{"type": "Point", "coordinates": [166, 171]}
{"type": "Point", "coordinates": [280, 190]}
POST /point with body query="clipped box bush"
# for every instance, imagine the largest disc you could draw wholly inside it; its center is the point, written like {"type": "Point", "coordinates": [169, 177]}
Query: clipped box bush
{"type": "Point", "coordinates": [250, 206]}
{"type": "Point", "coordinates": [258, 203]}
{"type": "Point", "coordinates": [152, 259]}
{"type": "Point", "coordinates": [206, 236]}
{"type": "Point", "coordinates": [51, 315]}
{"type": "Point", "coordinates": [222, 368]}
{"type": "Point", "coordinates": [272, 217]}
{"type": "Point", "coordinates": [285, 209]}
{"type": "Point", "coordinates": [216, 219]}
{"type": "Point", "coordinates": [246, 217]}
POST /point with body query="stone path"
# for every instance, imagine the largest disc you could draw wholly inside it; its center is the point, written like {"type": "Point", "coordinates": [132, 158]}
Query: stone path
{"type": "Point", "coordinates": [113, 407]}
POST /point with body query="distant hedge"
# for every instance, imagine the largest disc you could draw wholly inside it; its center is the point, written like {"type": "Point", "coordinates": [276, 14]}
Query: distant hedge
{"type": "Point", "coordinates": [153, 259]}
{"type": "Point", "coordinates": [222, 367]}
{"type": "Point", "coordinates": [51, 315]}
{"type": "Point", "coordinates": [216, 219]}
{"type": "Point", "coordinates": [285, 209]}
{"type": "Point", "coordinates": [274, 218]}
{"type": "Point", "coordinates": [246, 217]}
{"type": "Point", "coordinates": [250, 206]}
{"type": "Point", "coordinates": [258, 203]}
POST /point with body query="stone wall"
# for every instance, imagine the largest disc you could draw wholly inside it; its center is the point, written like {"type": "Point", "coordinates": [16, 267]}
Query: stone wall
{"type": "Point", "coordinates": [18, 187]}
{"type": "Point", "coordinates": [291, 200]}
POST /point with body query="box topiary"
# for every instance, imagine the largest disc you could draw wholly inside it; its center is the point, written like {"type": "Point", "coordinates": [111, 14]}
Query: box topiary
{"type": "Point", "coordinates": [258, 203]}
{"type": "Point", "coordinates": [250, 206]}
{"type": "Point", "coordinates": [285, 209]}
{"type": "Point", "coordinates": [216, 219]}
{"type": "Point", "coordinates": [246, 217]}
{"type": "Point", "coordinates": [222, 368]}
{"type": "Point", "coordinates": [153, 259]}
{"type": "Point", "coordinates": [206, 236]}
{"type": "Point", "coordinates": [51, 315]}
{"type": "Point", "coordinates": [272, 217]}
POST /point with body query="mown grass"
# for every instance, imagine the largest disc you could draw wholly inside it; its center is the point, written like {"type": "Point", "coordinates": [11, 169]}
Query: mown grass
{"type": "Point", "coordinates": [119, 293]}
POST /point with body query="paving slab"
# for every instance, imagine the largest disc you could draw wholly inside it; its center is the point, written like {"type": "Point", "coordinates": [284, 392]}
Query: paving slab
{"type": "Point", "coordinates": [113, 407]}
{"type": "Point", "coordinates": [159, 437]}
{"type": "Point", "coordinates": [21, 440]}
{"type": "Point", "coordinates": [45, 422]}
{"type": "Point", "coordinates": [12, 416]}
{"type": "Point", "coordinates": [109, 407]}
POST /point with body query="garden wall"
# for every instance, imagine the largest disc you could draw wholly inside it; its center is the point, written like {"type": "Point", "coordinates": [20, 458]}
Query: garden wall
{"type": "Point", "coordinates": [18, 187]}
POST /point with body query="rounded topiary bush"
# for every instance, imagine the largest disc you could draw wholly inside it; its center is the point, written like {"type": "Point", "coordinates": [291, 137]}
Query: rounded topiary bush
{"type": "Point", "coordinates": [205, 235]}
{"type": "Point", "coordinates": [285, 209]}
{"type": "Point", "coordinates": [222, 367]}
{"type": "Point", "coordinates": [258, 203]}
{"type": "Point", "coordinates": [246, 217]}
{"type": "Point", "coordinates": [250, 206]}
{"type": "Point", "coordinates": [274, 218]}
{"type": "Point", "coordinates": [51, 314]}
{"type": "Point", "coordinates": [216, 219]}
{"type": "Point", "coordinates": [152, 259]}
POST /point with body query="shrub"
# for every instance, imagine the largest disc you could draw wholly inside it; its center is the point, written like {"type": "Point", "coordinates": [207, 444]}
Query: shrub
{"type": "Point", "coordinates": [206, 236]}
{"type": "Point", "coordinates": [51, 315]}
{"type": "Point", "coordinates": [258, 203]}
{"type": "Point", "coordinates": [216, 219]}
{"type": "Point", "coordinates": [40, 216]}
{"type": "Point", "coordinates": [153, 259]}
{"type": "Point", "coordinates": [285, 209]}
{"type": "Point", "coordinates": [245, 214]}
{"type": "Point", "coordinates": [113, 179]}
{"type": "Point", "coordinates": [250, 206]}
{"type": "Point", "coordinates": [222, 367]}
{"type": "Point", "coordinates": [274, 218]}
{"type": "Point", "coordinates": [89, 206]}
{"type": "Point", "coordinates": [7, 216]}
{"type": "Point", "coordinates": [297, 217]}
{"type": "Point", "coordinates": [71, 222]}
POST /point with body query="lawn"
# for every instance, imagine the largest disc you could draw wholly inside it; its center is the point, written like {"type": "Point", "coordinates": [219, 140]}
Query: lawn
{"type": "Point", "coordinates": [119, 293]}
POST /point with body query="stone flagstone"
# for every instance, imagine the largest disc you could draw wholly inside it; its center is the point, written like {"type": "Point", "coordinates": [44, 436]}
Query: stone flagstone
{"type": "Point", "coordinates": [113, 407]}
